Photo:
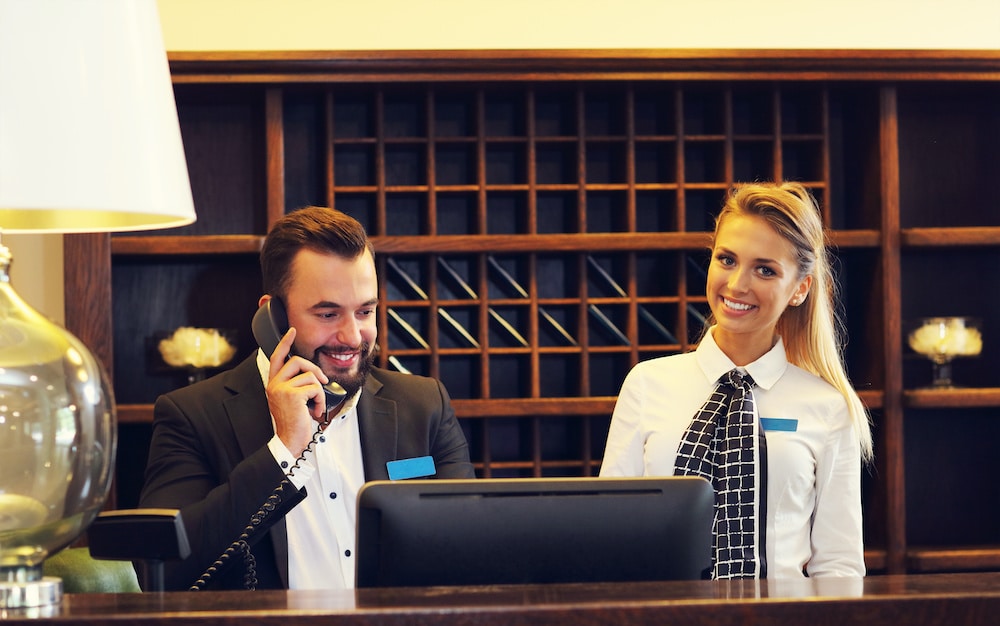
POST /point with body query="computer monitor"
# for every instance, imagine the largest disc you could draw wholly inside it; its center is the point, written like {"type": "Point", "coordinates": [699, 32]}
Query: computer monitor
{"type": "Point", "coordinates": [533, 530]}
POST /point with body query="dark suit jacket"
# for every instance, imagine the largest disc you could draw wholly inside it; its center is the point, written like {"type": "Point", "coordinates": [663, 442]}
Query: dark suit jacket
{"type": "Point", "coordinates": [208, 457]}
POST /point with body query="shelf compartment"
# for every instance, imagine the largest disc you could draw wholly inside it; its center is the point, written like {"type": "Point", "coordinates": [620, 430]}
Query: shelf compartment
{"type": "Point", "coordinates": [951, 494]}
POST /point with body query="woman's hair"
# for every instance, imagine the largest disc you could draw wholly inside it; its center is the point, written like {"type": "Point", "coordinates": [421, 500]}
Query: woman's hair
{"type": "Point", "coordinates": [322, 230]}
{"type": "Point", "coordinates": [812, 333]}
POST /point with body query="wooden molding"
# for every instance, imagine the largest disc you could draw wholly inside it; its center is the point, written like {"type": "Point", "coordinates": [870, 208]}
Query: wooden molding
{"type": "Point", "coordinates": [630, 64]}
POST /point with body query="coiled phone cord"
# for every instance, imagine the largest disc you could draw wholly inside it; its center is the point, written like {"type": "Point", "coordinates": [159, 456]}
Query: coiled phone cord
{"type": "Point", "coordinates": [241, 545]}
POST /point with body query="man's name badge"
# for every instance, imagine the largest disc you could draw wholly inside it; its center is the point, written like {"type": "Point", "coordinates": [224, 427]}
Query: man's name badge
{"type": "Point", "coordinates": [417, 467]}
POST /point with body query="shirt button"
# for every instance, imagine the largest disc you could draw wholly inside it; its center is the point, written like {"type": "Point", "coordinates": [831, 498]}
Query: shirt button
{"type": "Point", "coordinates": [347, 553]}
{"type": "Point", "coordinates": [333, 495]}
{"type": "Point", "coordinates": [322, 439]}
{"type": "Point", "coordinates": [284, 464]}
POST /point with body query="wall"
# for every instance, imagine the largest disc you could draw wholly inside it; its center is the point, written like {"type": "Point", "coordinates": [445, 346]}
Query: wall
{"type": "Point", "coordinates": [456, 24]}
{"type": "Point", "coordinates": [37, 272]}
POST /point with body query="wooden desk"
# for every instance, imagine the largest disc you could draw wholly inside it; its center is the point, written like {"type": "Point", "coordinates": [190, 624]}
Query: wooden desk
{"type": "Point", "coordinates": [966, 599]}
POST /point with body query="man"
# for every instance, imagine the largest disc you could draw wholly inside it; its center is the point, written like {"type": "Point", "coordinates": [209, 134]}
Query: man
{"type": "Point", "coordinates": [221, 447]}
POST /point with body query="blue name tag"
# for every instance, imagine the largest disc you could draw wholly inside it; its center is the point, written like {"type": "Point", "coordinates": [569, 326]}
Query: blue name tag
{"type": "Point", "coordinates": [781, 424]}
{"type": "Point", "coordinates": [416, 467]}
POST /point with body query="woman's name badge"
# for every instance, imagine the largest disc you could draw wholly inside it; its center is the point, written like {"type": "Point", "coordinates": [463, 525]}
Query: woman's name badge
{"type": "Point", "coordinates": [779, 424]}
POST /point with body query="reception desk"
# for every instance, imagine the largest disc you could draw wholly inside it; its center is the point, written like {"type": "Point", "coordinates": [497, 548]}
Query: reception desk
{"type": "Point", "coordinates": [893, 600]}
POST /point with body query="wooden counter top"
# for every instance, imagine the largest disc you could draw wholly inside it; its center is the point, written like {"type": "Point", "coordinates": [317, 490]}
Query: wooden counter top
{"type": "Point", "coordinates": [896, 600]}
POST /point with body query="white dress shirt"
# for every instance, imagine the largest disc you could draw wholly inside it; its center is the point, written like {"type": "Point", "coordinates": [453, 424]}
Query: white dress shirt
{"type": "Point", "coordinates": [321, 529]}
{"type": "Point", "coordinates": [813, 473]}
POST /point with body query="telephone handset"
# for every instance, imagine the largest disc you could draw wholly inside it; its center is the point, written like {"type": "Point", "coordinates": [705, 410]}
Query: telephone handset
{"type": "Point", "coordinates": [269, 325]}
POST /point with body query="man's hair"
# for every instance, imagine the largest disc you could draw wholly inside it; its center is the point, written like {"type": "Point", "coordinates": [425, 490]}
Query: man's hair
{"type": "Point", "coordinates": [320, 229]}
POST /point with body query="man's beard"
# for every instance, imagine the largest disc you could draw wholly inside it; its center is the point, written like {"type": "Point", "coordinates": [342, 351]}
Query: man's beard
{"type": "Point", "coordinates": [352, 382]}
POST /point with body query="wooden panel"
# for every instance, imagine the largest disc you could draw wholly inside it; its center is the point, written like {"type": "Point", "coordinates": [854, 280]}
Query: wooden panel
{"type": "Point", "coordinates": [647, 64]}
{"type": "Point", "coordinates": [951, 237]}
{"type": "Point", "coordinates": [956, 397]}
{"type": "Point", "coordinates": [982, 558]}
{"type": "Point", "coordinates": [87, 274]}
{"type": "Point", "coordinates": [891, 452]}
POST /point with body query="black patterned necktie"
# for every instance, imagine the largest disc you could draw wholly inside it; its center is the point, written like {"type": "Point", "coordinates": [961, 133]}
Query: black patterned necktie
{"type": "Point", "coordinates": [725, 444]}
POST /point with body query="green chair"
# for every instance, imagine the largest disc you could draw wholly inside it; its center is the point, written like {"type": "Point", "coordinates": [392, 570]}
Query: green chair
{"type": "Point", "coordinates": [81, 573]}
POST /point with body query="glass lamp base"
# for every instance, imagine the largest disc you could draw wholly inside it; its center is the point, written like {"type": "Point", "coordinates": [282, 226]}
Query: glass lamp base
{"type": "Point", "coordinates": [45, 591]}
{"type": "Point", "coordinates": [58, 446]}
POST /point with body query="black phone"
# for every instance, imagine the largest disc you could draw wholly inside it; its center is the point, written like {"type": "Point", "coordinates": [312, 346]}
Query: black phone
{"type": "Point", "coordinates": [269, 325]}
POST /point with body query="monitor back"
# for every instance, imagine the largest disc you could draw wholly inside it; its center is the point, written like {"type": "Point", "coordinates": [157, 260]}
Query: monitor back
{"type": "Point", "coordinates": [534, 530]}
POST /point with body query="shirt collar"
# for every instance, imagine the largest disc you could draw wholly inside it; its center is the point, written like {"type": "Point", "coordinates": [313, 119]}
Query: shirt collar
{"type": "Point", "coordinates": [264, 367]}
{"type": "Point", "coordinates": [765, 371]}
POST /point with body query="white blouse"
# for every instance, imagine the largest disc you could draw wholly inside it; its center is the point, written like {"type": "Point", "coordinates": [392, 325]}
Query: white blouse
{"type": "Point", "coordinates": [813, 453]}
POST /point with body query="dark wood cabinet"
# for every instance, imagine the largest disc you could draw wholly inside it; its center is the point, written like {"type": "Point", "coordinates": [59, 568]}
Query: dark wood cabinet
{"type": "Point", "coordinates": [541, 220]}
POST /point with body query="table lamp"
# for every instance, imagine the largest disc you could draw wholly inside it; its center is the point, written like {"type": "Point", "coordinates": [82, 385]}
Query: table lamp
{"type": "Point", "coordinates": [89, 142]}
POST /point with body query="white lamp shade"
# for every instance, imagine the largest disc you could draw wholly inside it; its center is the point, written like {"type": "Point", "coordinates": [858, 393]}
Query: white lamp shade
{"type": "Point", "coordinates": [89, 137]}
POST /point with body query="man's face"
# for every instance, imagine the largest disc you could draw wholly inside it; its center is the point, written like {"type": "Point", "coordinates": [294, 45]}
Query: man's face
{"type": "Point", "coordinates": [331, 302]}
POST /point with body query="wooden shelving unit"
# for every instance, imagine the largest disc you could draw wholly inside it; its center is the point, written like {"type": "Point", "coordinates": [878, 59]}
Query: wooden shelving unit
{"type": "Point", "coordinates": [540, 220]}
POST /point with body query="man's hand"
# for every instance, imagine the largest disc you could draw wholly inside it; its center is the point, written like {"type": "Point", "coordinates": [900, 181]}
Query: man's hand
{"type": "Point", "coordinates": [293, 382]}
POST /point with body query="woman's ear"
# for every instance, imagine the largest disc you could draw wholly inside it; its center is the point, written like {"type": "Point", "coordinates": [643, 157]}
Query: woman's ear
{"type": "Point", "coordinates": [801, 292]}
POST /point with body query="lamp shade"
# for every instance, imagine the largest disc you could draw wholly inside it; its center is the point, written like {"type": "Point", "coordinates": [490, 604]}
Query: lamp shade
{"type": "Point", "coordinates": [89, 137]}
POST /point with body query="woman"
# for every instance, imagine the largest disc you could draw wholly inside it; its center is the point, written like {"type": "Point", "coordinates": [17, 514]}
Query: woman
{"type": "Point", "coordinates": [806, 433]}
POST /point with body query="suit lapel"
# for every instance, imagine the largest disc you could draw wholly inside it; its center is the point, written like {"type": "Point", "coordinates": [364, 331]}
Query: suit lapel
{"type": "Point", "coordinates": [245, 408]}
{"type": "Point", "coordinates": [378, 425]}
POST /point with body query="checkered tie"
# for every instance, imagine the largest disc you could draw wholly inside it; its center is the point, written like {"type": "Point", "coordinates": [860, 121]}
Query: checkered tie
{"type": "Point", "coordinates": [725, 444]}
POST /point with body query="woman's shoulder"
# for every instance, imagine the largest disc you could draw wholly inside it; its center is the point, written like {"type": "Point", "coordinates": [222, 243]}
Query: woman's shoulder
{"type": "Point", "coordinates": [813, 390]}
{"type": "Point", "coordinates": [807, 381]}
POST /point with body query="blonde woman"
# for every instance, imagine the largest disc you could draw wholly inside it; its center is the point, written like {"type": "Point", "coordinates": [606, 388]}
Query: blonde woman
{"type": "Point", "coordinates": [765, 393]}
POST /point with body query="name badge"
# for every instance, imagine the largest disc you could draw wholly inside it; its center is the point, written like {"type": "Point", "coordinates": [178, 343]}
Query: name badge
{"type": "Point", "coordinates": [779, 424]}
{"type": "Point", "coordinates": [417, 467]}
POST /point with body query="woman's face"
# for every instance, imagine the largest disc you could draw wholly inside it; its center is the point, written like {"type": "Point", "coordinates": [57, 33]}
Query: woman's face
{"type": "Point", "coordinates": [753, 277]}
